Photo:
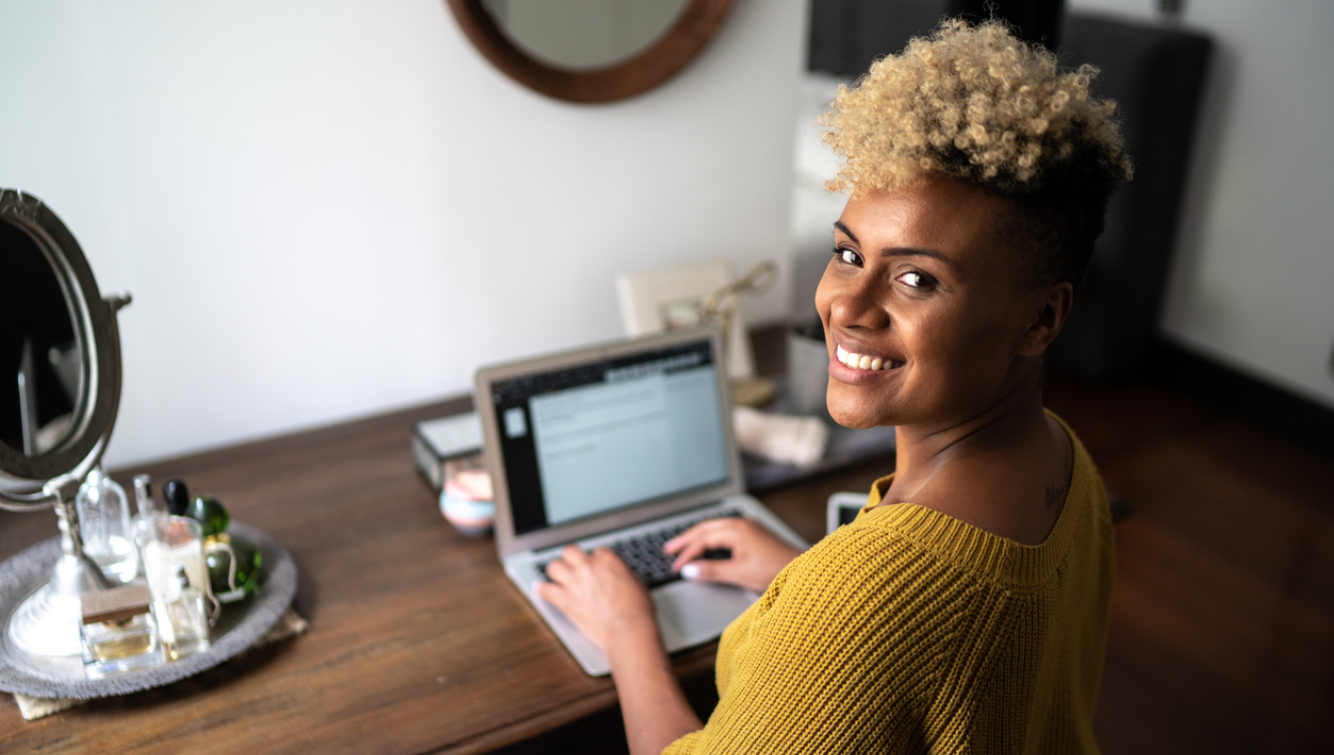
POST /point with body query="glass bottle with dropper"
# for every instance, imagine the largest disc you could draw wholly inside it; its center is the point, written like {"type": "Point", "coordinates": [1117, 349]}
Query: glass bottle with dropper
{"type": "Point", "coordinates": [146, 508]}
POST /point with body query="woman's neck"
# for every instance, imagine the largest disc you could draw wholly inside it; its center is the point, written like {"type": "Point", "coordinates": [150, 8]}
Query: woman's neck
{"type": "Point", "coordinates": [1004, 469]}
{"type": "Point", "coordinates": [1011, 425]}
{"type": "Point", "coordinates": [1014, 411]}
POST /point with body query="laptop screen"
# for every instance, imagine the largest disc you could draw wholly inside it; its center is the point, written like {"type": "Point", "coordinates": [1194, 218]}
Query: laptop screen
{"type": "Point", "coordinates": [589, 439]}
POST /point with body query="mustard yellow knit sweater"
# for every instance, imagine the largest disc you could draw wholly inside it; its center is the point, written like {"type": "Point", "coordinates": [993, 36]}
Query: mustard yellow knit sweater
{"type": "Point", "coordinates": [910, 631]}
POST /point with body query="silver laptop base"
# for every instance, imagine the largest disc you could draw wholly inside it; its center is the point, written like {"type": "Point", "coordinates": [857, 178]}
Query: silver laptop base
{"type": "Point", "coordinates": [688, 613]}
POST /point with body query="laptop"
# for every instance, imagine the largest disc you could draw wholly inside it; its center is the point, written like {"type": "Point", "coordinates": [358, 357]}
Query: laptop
{"type": "Point", "coordinates": [624, 444]}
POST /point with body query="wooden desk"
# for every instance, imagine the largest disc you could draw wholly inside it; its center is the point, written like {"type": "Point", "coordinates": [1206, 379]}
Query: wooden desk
{"type": "Point", "coordinates": [417, 643]}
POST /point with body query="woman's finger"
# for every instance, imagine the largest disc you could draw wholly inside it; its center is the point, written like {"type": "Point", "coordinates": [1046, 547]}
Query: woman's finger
{"type": "Point", "coordinates": [722, 550]}
{"type": "Point", "coordinates": [708, 571]}
{"type": "Point", "coordinates": [551, 593]}
{"type": "Point", "coordinates": [708, 525]}
{"type": "Point", "coordinates": [558, 571]}
{"type": "Point", "coordinates": [563, 567]}
{"type": "Point", "coordinates": [730, 535]}
{"type": "Point", "coordinates": [688, 554]}
{"type": "Point", "coordinates": [573, 555]}
{"type": "Point", "coordinates": [606, 558]}
{"type": "Point", "coordinates": [715, 533]}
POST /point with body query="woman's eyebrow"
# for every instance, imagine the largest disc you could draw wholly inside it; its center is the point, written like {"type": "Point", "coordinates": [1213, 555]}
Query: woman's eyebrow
{"type": "Point", "coordinates": [846, 231]}
{"type": "Point", "coordinates": [899, 251]}
{"type": "Point", "coordinates": [909, 251]}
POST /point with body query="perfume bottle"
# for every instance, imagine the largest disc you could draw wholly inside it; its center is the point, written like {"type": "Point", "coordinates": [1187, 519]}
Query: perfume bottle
{"type": "Point", "coordinates": [176, 496]}
{"type": "Point", "coordinates": [104, 522]}
{"type": "Point", "coordinates": [173, 556]}
{"type": "Point", "coordinates": [145, 507]}
{"type": "Point", "coordinates": [233, 566]}
{"type": "Point", "coordinates": [117, 631]}
{"type": "Point", "coordinates": [233, 561]}
{"type": "Point", "coordinates": [147, 511]}
{"type": "Point", "coordinates": [183, 618]}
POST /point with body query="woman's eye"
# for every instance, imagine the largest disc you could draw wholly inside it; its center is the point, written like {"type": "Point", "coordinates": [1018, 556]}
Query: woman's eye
{"type": "Point", "coordinates": [848, 256]}
{"type": "Point", "coordinates": [918, 280]}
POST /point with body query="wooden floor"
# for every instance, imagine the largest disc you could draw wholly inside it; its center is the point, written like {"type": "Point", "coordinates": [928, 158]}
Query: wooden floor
{"type": "Point", "coordinates": [1222, 634]}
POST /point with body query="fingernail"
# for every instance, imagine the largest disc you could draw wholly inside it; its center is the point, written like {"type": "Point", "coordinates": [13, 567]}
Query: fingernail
{"type": "Point", "coordinates": [536, 584]}
{"type": "Point", "coordinates": [690, 571]}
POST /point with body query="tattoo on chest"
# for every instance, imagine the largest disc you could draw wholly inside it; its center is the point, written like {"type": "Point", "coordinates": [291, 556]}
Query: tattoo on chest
{"type": "Point", "coordinates": [1056, 493]}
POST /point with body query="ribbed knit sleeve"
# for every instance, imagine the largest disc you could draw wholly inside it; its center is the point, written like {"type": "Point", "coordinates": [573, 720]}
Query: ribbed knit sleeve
{"type": "Point", "coordinates": [798, 680]}
{"type": "Point", "coordinates": [910, 631]}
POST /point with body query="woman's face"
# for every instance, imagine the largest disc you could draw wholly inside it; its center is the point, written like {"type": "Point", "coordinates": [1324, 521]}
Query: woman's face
{"type": "Point", "coordinates": [928, 303]}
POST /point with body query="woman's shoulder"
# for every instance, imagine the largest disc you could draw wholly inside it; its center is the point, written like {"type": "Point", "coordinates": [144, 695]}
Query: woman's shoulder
{"type": "Point", "coordinates": [883, 541]}
{"type": "Point", "coordinates": [970, 545]}
{"type": "Point", "coordinates": [866, 583]}
{"type": "Point", "coordinates": [872, 559]}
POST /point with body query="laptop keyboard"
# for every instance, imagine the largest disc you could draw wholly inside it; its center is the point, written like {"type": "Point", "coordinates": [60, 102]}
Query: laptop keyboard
{"type": "Point", "coordinates": [643, 553]}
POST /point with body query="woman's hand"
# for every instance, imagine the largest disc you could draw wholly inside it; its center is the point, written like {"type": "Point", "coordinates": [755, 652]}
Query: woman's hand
{"type": "Point", "coordinates": [599, 594]}
{"type": "Point", "coordinates": [757, 555]}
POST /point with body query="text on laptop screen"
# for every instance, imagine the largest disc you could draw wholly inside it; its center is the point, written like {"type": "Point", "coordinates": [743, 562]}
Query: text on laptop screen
{"type": "Point", "coordinates": [585, 440]}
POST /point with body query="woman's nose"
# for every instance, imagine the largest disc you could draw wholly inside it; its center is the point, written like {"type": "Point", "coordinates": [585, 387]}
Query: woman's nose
{"type": "Point", "coordinates": [855, 303]}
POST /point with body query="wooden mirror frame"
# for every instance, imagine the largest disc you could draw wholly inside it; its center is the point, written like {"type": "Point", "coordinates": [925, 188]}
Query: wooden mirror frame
{"type": "Point", "coordinates": [692, 31]}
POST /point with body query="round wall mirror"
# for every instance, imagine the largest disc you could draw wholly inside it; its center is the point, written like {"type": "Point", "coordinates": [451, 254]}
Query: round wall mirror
{"type": "Point", "coordinates": [584, 35]}
{"type": "Point", "coordinates": [590, 50]}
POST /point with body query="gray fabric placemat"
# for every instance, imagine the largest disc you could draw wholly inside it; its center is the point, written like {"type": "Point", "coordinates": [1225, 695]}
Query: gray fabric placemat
{"type": "Point", "coordinates": [32, 708]}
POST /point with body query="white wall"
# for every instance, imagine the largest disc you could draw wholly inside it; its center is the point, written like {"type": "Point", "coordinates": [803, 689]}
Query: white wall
{"type": "Point", "coordinates": [327, 208]}
{"type": "Point", "coordinates": [1253, 281]}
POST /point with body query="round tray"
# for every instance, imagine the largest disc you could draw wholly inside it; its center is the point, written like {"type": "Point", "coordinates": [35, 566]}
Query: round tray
{"type": "Point", "coordinates": [239, 626]}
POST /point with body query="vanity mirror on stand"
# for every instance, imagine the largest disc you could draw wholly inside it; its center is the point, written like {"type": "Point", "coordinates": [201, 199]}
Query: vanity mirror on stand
{"type": "Point", "coordinates": [60, 382]}
{"type": "Point", "coordinates": [60, 364]}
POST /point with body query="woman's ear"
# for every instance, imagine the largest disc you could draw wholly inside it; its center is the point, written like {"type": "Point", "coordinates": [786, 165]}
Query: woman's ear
{"type": "Point", "coordinates": [1053, 306]}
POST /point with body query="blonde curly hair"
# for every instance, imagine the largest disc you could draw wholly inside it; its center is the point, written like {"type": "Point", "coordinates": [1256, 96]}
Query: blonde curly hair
{"type": "Point", "coordinates": [978, 105]}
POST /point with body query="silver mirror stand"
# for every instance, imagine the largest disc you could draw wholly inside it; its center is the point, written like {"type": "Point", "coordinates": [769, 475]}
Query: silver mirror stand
{"type": "Point", "coordinates": [47, 622]}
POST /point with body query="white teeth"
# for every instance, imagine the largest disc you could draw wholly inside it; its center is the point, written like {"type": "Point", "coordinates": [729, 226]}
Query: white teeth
{"type": "Point", "coordinates": [860, 361]}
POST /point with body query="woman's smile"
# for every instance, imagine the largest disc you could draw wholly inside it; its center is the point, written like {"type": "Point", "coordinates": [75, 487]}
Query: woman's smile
{"type": "Point", "coordinates": [863, 366]}
{"type": "Point", "coordinates": [859, 361]}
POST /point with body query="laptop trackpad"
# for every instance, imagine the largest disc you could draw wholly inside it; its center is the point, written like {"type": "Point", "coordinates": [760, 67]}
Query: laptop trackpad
{"type": "Point", "coordinates": [691, 613]}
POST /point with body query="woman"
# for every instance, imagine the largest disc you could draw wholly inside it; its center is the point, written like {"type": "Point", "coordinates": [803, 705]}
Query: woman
{"type": "Point", "coordinates": [966, 608]}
